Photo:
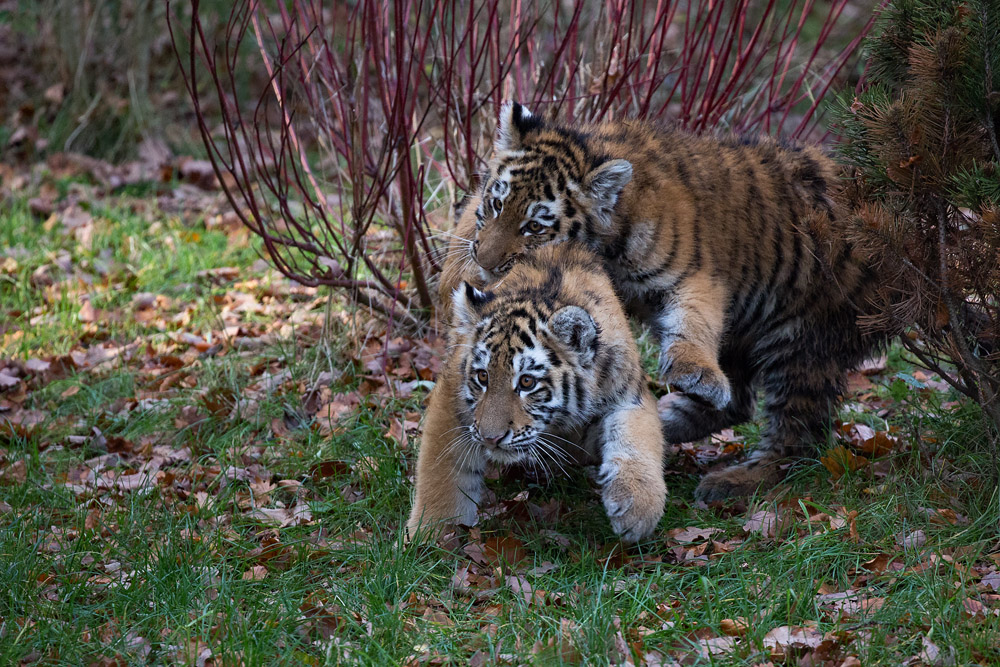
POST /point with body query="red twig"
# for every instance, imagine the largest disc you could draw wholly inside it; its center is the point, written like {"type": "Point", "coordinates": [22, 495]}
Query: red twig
{"type": "Point", "coordinates": [366, 108]}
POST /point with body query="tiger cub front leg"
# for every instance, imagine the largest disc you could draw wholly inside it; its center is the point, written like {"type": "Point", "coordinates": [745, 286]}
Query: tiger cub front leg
{"type": "Point", "coordinates": [631, 472]}
{"type": "Point", "coordinates": [690, 328]}
{"type": "Point", "coordinates": [450, 469]}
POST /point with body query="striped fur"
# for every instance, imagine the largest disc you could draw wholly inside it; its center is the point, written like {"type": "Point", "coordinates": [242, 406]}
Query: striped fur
{"type": "Point", "coordinates": [537, 359]}
{"type": "Point", "coordinates": [729, 248]}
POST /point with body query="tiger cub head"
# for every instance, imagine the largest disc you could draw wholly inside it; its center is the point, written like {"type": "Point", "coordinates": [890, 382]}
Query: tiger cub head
{"type": "Point", "coordinates": [526, 369]}
{"type": "Point", "coordinates": [542, 186]}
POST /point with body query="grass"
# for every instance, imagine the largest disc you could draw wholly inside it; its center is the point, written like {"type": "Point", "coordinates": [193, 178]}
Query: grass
{"type": "Point", "coordinates": [166, 573]}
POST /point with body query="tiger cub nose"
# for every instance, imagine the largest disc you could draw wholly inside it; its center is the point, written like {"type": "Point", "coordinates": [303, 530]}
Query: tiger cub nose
{"type": "Point", "coordinates": [491, 440]}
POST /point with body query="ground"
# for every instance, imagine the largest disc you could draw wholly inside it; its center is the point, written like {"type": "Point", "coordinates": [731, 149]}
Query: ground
{"type": "Point", "coordinates": [202, 462]}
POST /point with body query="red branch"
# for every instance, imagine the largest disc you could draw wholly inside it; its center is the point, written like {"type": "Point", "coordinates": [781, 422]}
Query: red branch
{"type": "Point", "coordinates": [370, 109]}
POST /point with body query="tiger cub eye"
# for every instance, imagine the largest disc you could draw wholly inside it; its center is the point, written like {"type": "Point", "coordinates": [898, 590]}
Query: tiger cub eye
{"type": "Point", "coordinates": [482, 376]}
{"type": "Point", "coordinates": [527, 382]}
{"type": "Point", "coordinates": [535, 227]}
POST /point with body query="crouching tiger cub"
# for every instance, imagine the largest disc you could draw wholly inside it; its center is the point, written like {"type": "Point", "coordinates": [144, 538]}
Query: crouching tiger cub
{"type": "Point", "coordinates": [542, 356]}
{"type": "Point", "coordinates": [728, 248]}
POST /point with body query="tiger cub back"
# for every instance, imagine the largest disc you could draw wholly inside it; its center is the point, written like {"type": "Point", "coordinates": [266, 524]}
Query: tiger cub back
{"type": "Point", "coordinates": [537, 360]}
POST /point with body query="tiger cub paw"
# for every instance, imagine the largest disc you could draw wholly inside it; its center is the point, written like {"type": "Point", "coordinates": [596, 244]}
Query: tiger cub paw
{"type": "Point", "coordinates": [742, 479]}
{"type": "Point", "coordinates": [634, 494]}
{"type": "Point", "coordinates": [692, 371]}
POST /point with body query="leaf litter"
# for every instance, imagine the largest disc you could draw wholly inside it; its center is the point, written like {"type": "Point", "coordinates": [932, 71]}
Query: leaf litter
{"type": "Point", "coordinates": [269, 521]}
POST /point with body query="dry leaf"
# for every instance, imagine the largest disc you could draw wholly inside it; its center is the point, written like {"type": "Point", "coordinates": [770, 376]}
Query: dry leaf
{"type": "Point", "coordinates": [933, 656]}
{"type": "Point", "coordinates": [15, 473]}
{"type": "Point", "coordinates": [783, 640]}
{"type": "Point", "coordinates": [840, 460]}
{"type": "Point", "coordinates": [88, 313]}
{"type": "Point", "coordinates": [692, 533]}
{"type": "Point", "coordinates": [764, 522]}
{"type": "Point", "coordinates": [504, 551]}
{"type": "Point", "coordinates": [734, 627]}
{"type": "Point", "coordinates": [913, 540]}
{"type": "Point", "coordinates": [283, 516]}
{"type": "Point", "coordinates": [992, 580]}
{"type": "Point", "coordinates": [881, 563]}
{"type": "Point", "coordinates": [879, 444]}
{"type": "Point", "coordinates": [716, 646]}
{"type": "Point", "coordinates": [973, 608]}
{"type": "Point", "coordinates": [544, 568]}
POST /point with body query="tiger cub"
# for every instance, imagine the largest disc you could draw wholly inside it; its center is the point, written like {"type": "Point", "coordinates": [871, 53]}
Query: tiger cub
{"type": "Point", "coordinates": [728, 248]}
{"type": "Point", "coordinates": [541, 356]}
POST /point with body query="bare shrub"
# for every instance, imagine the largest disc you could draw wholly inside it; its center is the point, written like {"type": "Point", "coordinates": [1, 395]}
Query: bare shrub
{"type": "Point", "coordinates": [376, 111]}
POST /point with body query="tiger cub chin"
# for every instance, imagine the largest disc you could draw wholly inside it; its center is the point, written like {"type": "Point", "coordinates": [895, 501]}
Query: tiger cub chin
{"type": "Point", "coordinates": [538, 358]}
{"type": "Point", "coordinates": [731, 249]}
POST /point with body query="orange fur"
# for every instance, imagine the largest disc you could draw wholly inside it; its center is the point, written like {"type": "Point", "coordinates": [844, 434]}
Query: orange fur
{"type": "Point", "coordinates": [539, 358]}
{"type": "Point", "coordinates": [730, 248]}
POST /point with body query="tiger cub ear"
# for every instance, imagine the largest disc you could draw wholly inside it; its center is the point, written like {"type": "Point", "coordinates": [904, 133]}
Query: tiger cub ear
{"type": "Point", "coordinates": [604, 184]}
{"type": "Point", "coordinates": [576, 329]}
{"type": "Point", "coordinates": [467, 303]}
{"type": "Point", "coordinates": [515, 121]}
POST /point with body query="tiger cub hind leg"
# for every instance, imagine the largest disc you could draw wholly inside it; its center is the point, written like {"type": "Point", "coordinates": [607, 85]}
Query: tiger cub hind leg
{"type": "Point", "coordinates": [800, 399]}
{"type": "Point", "coordinates": [631, 473]}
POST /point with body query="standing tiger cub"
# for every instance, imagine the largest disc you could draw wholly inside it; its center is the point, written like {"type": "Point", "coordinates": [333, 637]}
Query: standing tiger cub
{"type": "Point", "coordinates": [728, 248]}
{"type": "Point", "coordinates": [541, 357]}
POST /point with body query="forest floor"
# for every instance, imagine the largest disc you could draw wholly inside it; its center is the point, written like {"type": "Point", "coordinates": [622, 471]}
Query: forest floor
{"type": "Point", "coordinates": [202, 462]}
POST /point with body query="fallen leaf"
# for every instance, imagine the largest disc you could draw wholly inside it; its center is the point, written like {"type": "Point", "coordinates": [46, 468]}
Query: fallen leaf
{"type": "Point", "coordinates": [692, 533]}
{"type": "Point", "coordinates": [879, 444]}
{"type": "Point", "coordinates": [850, 602]}
{"type": "Point", "coordinates": [504, 551]}
{"type": "Point", "coordinates": [992, 580]}
{"type": "Point", "coordinates": [881, 563]}
{"type": "Point", "coordinates": [325, 469]}
{"type": "Point", "coordinates": [714, 646]}
{"type": "Point", "coordinates": [944, 516]}
{"type": "Point", "coordinates": [15, 473]}
{"type": "Point", "coordinates": [973, 608]}
{"type": "Point", "coordinates": [437, 617]}
{"type": "Point", "coordinates": [37, 365]}
{"type": "Point", "coordinates": [858, 433]}
{"type": "Point", "coordinates": [913, 540]}
{"type": "Point", "coordinates": [840, 460]}
{"type": "Point", "coordinates": [784, 640]}
{"type": "Point", "coordinates": [283, 516]}
{"type": "Point", "coordinates": [734, 627]}
{"type": "Point", "coordinates": [764, 522]}
{"type": "Point", "coordinates": [932, 656]}
{"type": "Point", "coordinates": [544, 568]}
{"type": "Point", "coordinates": [8, 381]}
{"type": "Point", "coordinates": [88, 313]}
